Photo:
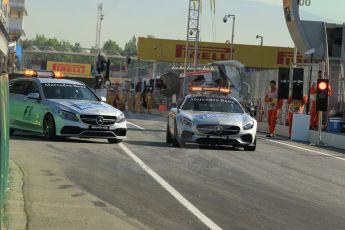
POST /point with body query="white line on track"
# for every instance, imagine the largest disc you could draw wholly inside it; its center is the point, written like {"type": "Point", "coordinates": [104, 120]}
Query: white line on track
{"type": "Point", "coordinates": [135, 125]}
{"type": "Point", "coordinates": [196, 212]}
{"type": "Point", "coordinates": [305, 149]}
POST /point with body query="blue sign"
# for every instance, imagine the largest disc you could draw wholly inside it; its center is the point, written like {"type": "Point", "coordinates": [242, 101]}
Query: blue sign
{"type": "Point", "coordinates": [19, 53]}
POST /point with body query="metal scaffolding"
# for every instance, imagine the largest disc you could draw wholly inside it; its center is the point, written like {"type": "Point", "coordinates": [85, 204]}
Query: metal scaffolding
{"type": "Point", "coordinates": [193, 31]}
{"type": "Point", "coordinates": [100, 18]}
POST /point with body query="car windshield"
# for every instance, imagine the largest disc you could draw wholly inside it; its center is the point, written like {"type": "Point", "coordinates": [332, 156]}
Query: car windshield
{"type": "Point", "coordinates": [68, 91]}
{"type": "Point", "coordinates": [212, 104]}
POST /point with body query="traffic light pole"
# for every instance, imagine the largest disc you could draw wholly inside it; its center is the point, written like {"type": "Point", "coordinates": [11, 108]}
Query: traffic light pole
{"type": "Point", "coordinates": [309, 83]}
{"type": "Point", "coordinates": [320, 114]}
{"type": "Point", "coordinates": [320, 129]}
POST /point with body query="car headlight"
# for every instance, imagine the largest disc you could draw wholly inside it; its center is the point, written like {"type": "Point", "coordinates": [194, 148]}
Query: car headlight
{"type": "Point", "coordinates": [249, 125]}
{"type": "Point", "coordinates": [68, 115]}
{"type": "Point", "coordinates": [186, 122]}
{"type": "Point", "coordinates": [121, 118]}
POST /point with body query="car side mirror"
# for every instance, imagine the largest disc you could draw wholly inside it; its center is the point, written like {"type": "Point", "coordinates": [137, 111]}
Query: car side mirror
{"type": "Point", "coordinates": [35, 96]}
{"type": "Point", "coordinates": [103, 99]}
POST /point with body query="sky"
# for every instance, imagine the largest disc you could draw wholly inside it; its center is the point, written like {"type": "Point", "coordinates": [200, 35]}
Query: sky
{"type": "Point", "coordinates": [75, 20]}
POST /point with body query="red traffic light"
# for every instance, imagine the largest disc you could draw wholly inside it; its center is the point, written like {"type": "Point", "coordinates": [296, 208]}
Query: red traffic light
{"type": "Point", "coordinates": [322, 95]}
{"type": "Point", "coordinates": [322, 85]}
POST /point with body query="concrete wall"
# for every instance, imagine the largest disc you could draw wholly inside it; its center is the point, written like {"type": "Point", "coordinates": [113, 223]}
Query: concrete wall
{"type": "Point", "coordinates": [330, 139]}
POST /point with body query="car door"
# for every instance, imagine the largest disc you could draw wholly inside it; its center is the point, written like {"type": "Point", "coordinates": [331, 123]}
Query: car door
{"type": "Point", "coordinates": [18, 95]}
{"type": "Point", "coordinates": [35, 109]}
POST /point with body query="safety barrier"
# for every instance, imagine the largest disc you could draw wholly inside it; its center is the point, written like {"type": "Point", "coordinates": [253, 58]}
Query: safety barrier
{"type": "Point", "coordinates": [162, 104]}
{"type": "Point", "coordinates": [4, 141]}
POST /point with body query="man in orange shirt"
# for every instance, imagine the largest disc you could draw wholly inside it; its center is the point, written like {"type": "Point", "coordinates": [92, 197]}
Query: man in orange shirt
{"type": "Point", "coordinates": [273, 105]}
{"type": "Point", "coordinates": [295, 107]}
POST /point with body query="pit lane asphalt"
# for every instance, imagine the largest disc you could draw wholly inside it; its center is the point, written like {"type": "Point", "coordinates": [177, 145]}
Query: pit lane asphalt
{"type": "Point", "coordinates": [276, 187]}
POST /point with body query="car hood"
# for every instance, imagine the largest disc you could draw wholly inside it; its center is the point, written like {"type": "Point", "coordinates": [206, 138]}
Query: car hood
{"type": "Point", "coordinates": [86, 107]}
{"type": "Point", "coordinates": [216, 118]}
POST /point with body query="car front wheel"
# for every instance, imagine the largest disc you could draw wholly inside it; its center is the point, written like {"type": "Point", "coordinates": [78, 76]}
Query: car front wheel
{"type": "Point", "coordinates": [168, 135]}
{"type": "Point", "coordinates": [49, 130]}
{"type": "Point", "coordinates": [114, 141]}
{"type": "Point", "coordinates": [178, 142]}
{"type": "Point", "coordinates": [250, 148]}
{"type": "Point", "coordinates": [12, 131]}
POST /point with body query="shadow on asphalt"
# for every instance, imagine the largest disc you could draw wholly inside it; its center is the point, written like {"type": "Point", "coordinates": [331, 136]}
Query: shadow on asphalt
{"type": "Point", "coordinates": [143, 116]}
{"type": "Point", "coordinates": [188, 146]}
{"type": "Point", "coordinates": [276, 138]}
{"type": "Point", "coordinates": [306, 145]}
{"type": "Point", "coordinates": [316, 155]}
{"type": "Point", "coordinates": [223, 148]}
{"type": "Point", "coordinates": [146, 130]}
{"type": "Point", "coordinates": [148, 143]}
{"type": "Point", "coordinates": [39, 138]}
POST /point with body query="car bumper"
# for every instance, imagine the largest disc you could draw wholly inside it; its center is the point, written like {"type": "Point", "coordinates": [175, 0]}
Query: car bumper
{"type": "Point", "coordinates": [243, 138]}
{"type": "Point", "coordinates": [82, 130]}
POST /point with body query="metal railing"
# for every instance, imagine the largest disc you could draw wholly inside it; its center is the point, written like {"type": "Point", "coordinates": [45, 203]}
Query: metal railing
{"type": "Point", "coordinates": [4, 141]}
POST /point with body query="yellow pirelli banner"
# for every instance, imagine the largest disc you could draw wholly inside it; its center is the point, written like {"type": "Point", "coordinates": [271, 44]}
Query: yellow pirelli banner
{"type": "Point", "coordinates": [70, 69]}
{"type": "Point", "coordinates": [250, 55]}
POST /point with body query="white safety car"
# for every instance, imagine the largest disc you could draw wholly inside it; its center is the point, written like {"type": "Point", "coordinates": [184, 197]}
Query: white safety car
{"type": "Point", "coordinates": [208, 116]}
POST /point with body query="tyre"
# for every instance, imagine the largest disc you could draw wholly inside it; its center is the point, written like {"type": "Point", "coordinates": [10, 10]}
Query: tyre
{"type": "Point", "coordinates": [177, 142]}
{"type": "Point", "coordinates": [114, 141]}
{"type": "Point", "coordinates": [12, 132]}
{"type": "Point", "coordinates": [251, 148]}
{"type": "Point", "coordinates": [168, 135]}
{"type": "Point", "coordinates": [49, 130]}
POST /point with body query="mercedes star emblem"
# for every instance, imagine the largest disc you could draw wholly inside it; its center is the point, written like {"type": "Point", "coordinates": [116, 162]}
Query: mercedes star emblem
{"type": "Point", "coordinates": [99, 120]}
{"type": "Point", "coordinates": [218, 130]}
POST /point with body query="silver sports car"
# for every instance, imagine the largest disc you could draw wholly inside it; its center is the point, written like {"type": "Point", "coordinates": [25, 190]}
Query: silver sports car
{"type": "Point", "coordinates": [66, 108]}
{"type": "Point", "coordinates": [211, 120]}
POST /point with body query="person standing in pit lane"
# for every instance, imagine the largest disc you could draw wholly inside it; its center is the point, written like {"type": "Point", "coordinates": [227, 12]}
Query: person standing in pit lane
{"type": "Point", "coordinates": [138, 102]}
{"type": "Point", "coordinates": [273, 106]}
{"type": "Point", "coordinates": [149, 101]}
{"type": "Point", "coordinates": [131, 100]}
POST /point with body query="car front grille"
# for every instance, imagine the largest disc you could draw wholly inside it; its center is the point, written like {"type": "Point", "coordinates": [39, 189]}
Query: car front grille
{"type": "Point", "coordinates": [92, 119]}
{"type": "Point", "coordinates": [210, 129]}
{"type": "Point", "coordinates": [120, 132]}
{"type": "Point", "coordinates": [96, 134]}
{"type": "Point", "coordinates": [71, 130]}
{"type": "Point", "coordinates": [209, 141]}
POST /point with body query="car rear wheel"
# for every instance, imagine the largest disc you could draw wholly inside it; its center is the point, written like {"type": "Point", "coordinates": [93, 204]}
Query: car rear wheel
{"type": "Point", "coordinates": [12, 131]}
{"type": "Point", "coordinates": [114, 141]}
{"type": "Point", "coordinates": [49, 130]}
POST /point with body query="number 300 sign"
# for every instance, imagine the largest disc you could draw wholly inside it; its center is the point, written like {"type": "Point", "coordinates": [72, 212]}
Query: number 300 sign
{"type": "Point", "coordinates": [304, 2]}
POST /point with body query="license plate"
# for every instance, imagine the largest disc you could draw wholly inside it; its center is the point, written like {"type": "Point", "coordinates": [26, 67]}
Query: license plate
{"type": "Point", "coordinates": [99, 127]}
{"type": "Point", "coordinates": [219, 137]}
